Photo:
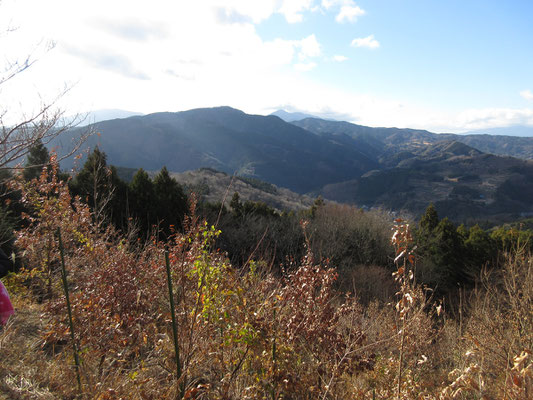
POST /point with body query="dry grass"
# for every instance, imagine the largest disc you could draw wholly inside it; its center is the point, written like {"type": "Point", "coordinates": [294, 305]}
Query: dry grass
{"type": "Point", "coordinates": [247, 334]}
{"type": "Point", "coordinates": [491, 360]}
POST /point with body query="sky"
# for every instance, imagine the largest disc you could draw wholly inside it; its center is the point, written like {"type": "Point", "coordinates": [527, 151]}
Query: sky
{"type": "Point", "coordinates": [445, 66]}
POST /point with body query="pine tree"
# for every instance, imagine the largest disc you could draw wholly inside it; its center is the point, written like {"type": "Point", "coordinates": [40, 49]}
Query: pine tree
{"type": "Point", "coordinates": [142, 199]}
{"type": "Point", "coordinates": [430, 220]}
{"type": "Point", "coordinates": [38, 157]}
{"type": "Point", "coordinates": [99, 185]}
{"type": "Point", "coordinates": [170, 201]}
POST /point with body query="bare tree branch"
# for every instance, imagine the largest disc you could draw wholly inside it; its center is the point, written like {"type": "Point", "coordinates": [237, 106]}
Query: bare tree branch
{"type": "Point", "coordinates": [44, 125]}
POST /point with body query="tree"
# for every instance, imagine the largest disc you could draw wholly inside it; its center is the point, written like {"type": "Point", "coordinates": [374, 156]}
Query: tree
{"type": "Point", "coordinates": [36, 159]}
{"type": "Point", "coordinates": [141, 199]}
{"type": "Point", "coordinates": [236, 204]}
{"type": "Point", "coordinates": [429, 220]}
{"type": "Point", "coordinates": [448, 253]}
{"type": "Point", "coordinates": [481, 249]}
{"type": "Point", "coordinates": [20, 132]}
{"type": "Point", "coordinates": [100, 187]}
{"type": "Point", "coordinates": [171, 201]}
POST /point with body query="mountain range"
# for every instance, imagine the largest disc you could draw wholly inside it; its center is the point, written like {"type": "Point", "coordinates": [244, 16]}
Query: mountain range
{"type": "Point", "coordinates": [466, 176]}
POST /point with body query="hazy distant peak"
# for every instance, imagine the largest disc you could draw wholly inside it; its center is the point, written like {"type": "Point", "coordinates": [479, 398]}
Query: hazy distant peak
{"type": "Point", "coordinates": [515, 130]}
{"type": "Point", "coordinates": [292, 116]}
{"type": "Point", "coordinates": [107, 114]}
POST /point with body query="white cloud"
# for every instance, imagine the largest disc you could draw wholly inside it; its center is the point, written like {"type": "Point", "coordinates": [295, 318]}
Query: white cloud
{"type": "Point", "coordinates": [293, 10]}
{"type": "Point", "coordinates": [340, 58]}
{"type": "Point", "coordinates": [349, 13]}
{"type": "Point", "coordinates": [348, 10]}
{"type": "Point", "coordinates": [474, 119]}
{"type": "Point", "coordinates": [368, 42]}
{"type": "Point", "coordinates": [309, 47]}
{"type": "Point", "coordinates": [259, 10]}
{"type": "Point", "coordinates": [526, 94]}
{"type": "Point", "coordinates": [191, 55]}
{"type": "Point", "coordinates": [304, 67]}
{"type": "Point", "coordinates": [327, 4]}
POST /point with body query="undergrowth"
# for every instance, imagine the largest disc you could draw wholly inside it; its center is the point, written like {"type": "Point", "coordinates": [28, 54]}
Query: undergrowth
{"type": "Point", "coordinates": [243, 334]}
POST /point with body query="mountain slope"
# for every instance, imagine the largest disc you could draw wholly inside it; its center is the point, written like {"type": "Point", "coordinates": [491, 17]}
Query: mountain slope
{"type": "Point", "coordinates": [215, 186]}
{"type": "Point", "coordinates": [231, 141]}
{"type": "Point", "coordinates": [390, 167]}
{"type": "Point", "coordinates": [463, 183]}
{"type": "Point", "coordinates": [385, 142]}
{"type": "Point", "coordinates": [291, 116]}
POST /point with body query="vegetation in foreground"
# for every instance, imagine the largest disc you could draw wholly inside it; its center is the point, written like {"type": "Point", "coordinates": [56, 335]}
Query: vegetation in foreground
{"type": "Point", "coordinates": [246, 332]}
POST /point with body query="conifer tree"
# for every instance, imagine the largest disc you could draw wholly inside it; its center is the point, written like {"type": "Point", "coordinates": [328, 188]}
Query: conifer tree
{"type": "Point", "coordinates": [99, 185]}
{"type": "Point", "coordinates": [170, 201]}
{"type": "Point", "coordinates": [37, 158]}
{"type": "Point", "coordinates": [142, 199]}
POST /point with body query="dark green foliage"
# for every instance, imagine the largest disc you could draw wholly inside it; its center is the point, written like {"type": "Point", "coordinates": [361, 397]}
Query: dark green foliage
{"type": "Point", "coordinates": [429, 220]}
{"type": "Point", "coordinates": [142, 201]}
{"type": "Point", "coordinates": [10, 216]}
{"type": "Point", "coordinates": [100, 187]}
{"type": "Point", "coordinates": [157, 204]}
{"type": "Point", "coordinates": [160, 203]}
{"type": "Point", "coordinates": [508, 238]}
{"type": "Point", "coordinates": [93, 182]}
{"type": "Point", "coordinates": [317, 204]}
{"type": "Point", "coordinates": [7, 236]}
{"type": "Point", "coordinates": [480, 247]}
{"type": "Point", "coordinates": [38, 157]}
{"type": "Point", "coordinates": [443, 256]}
{"type": "Point", "coordinates": [170, 201]}
{"type": "Point", "coordinates": [447, 252]}
{"type": "Point", "coordinates": [450, 255]}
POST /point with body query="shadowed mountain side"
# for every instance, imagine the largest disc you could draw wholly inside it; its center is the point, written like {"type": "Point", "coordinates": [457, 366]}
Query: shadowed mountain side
{"type": "Point", "coordinates": [462, 182]}
{"type": "Point", "coordinates": [230, 140]}
{"type": "Point", "coordinates": [384, 142]}
{"type": "Point", "coordinates": [520, 147]}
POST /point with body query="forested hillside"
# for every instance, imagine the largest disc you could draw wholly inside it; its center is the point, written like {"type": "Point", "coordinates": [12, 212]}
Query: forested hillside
{"type": "Point", "coordinates": [246, 301]}
{"type": "Point", "coordinates": [401, 170]}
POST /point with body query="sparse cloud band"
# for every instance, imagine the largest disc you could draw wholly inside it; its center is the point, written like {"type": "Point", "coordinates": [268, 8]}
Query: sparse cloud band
{"type": "Point", "coordinates": [349, 13]}
{"type": "Point", "coordinates": [527, 94]}
{"type": "Point", "coordinates": [369, 42]}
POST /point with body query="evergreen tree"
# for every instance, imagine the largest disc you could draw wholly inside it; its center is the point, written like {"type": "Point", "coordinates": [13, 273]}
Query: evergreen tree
{"type": "Point", "coordinates": [37, 158]}
{"type": "Point", "coordinates": [99, 185]}
{"type": "Point", "coordinates": [482, 250]}
{"type": "Point", "coordinates": [142, 199]}
{"type": "Point", "coordinates": [448, 253]}
{"type": "Point", "coordinates": [430, 220]}
{"type": "Point", "coordinates": [236, 204]}
{"type": "Point", "coordinates": [170, 201]}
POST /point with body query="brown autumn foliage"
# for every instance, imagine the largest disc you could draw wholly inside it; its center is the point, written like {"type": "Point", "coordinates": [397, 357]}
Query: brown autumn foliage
{"type": "Point", "coordinates": [243, 334]}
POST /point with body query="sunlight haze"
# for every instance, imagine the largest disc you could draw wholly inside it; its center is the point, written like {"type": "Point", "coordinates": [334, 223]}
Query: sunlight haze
{"type": "Point", "coordinates": [445, 66]}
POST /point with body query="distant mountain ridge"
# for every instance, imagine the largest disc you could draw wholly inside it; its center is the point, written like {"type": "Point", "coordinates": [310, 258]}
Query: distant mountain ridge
{"type": "Point", "coordinates": [514, 130]}
{"type": "Point", "coordinates": [395, 168]}
{"type": "Point", "coordinates": [231, 141]}
{"type": "Point", "coordinates": [95, 116]}
{"type": "Point", "coordinates": [291, 116]}
{"type": "Point", "coordinates": [385, 140]}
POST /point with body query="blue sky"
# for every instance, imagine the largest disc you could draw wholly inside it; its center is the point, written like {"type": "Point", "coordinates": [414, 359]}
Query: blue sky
{"type": "Point", "coordinates": [446, 66]}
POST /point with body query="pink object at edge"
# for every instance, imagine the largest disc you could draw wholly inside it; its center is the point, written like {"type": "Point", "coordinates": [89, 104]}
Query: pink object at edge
{"type": "Point", "coordinates": [6, 308]}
